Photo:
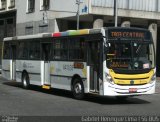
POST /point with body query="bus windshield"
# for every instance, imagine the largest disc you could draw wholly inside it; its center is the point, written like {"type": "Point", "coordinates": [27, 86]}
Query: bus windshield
{"type": "Point", "coordinates": [131, 55]}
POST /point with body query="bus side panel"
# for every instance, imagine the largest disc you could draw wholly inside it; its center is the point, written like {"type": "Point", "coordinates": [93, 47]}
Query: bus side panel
{"type": "Point", "coordinates": [6, 69]}
{"type": "Point", "coordinates": [62, 73]}
{"type": "Point", "coordinates": [18, 76]}
{"type": "Point", "coordinates": [32, 68]}
{"type": "Point", "coordinates": [61, 82]}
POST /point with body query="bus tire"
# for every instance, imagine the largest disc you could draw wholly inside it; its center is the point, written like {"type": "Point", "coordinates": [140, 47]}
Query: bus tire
{"type": "Point", "coordinates": [78, 89]}
{"type": "Point", "coordinates": [25, 81]}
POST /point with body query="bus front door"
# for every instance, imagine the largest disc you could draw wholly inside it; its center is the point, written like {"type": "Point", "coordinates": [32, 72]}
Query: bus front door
{"type": "Point", "coordinates": [45, 65]}
{"type": "Point", "coordinates": [93, 63]}
{"type": "Point", "coordinates": [13, 63]}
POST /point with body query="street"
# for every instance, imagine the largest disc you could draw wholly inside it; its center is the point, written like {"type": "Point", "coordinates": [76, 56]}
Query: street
{"type": "Point", "coordinates": [14, 100]}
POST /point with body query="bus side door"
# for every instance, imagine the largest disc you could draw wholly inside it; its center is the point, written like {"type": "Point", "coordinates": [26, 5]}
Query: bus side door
{"type": "Point", "coordinates": [45, 63]}
{"type": "Point", "coordinates": [13, 62]}
{"type": "Point", "coordinates": [93, 61]}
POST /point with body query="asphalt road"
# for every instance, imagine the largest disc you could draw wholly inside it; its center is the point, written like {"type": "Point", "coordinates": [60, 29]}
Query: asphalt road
{"type": "Point", "coordinates": [14, 100]}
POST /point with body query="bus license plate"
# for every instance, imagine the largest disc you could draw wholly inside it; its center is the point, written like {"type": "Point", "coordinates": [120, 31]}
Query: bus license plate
{"type": "Point", "coordinates": [132, 90]}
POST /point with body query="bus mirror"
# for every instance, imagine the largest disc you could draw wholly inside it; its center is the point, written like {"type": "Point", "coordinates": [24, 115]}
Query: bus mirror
{"type": "Point", "coordinates": [107, 45]}
{"type": "Point", "coordinates": [106, 49]}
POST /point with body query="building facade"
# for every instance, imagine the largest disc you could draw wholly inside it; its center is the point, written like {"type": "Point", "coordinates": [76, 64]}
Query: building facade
{"type": "Point", "coordinates": [24, 17]}
{"type": "Point", "coordinates": [38, 16]}
{"type": "Point", "coordinates": [7, 20]}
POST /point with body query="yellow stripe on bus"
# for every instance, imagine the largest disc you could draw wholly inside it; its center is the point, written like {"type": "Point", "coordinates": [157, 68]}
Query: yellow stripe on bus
{"type": "Point", "coordinates": [125, 79]}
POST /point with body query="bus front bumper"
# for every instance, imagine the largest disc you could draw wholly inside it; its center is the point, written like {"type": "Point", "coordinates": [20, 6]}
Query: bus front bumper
{"type": "Point", "coordinates": [119, 90]}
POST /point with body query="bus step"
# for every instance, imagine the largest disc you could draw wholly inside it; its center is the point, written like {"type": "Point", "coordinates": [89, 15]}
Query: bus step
{"type": "Point", "coordinates": [46, 86]}
{"type": "Point", "coordinates": [94, 92]}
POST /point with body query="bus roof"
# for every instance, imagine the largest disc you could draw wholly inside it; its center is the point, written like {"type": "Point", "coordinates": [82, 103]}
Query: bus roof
{"type": "Point", "coordinates": [40, 35]}
{"type": "Point", "coordinates": [76, 32]}
{"type": "Point", "coordinates": [56, 34]}
{"type": "Point", "coordinates": [68, 33]}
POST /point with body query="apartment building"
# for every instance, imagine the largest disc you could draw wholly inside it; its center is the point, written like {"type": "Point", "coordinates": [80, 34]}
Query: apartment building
{"type": "Point", "coordinates": [7, 20]}
{"type": "Point", "coordinates": [24, 17]}
{"type": "Point", "coordinates": [37, 16]}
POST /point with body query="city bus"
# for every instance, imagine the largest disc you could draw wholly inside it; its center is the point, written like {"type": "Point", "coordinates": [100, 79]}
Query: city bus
{"type": "Point", "coordinates": [109, 61]}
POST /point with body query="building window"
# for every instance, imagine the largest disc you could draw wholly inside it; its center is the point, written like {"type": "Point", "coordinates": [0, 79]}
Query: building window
{"type": "Point", "coordinates": [29, 30]}
{"type": "Point", "coordinates": [43, 29]}
{"type": "Point", "coordinates": [2, 29]}
{"type": "Point", "coordinates": [45, 4]}
{"type": "Point", "coordinates": [10, 27]}
{"type": "Point", "coordinates": [31, 6]}
{"type": "Point", "coordinates": [3, 4]}
{"type": "Point", "coordinates": [12, 4]}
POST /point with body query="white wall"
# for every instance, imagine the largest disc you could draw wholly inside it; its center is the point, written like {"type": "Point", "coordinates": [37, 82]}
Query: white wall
{"type": "Point", "coordinates": [23, 16]}
{"type": "Point", "coordinates": [143, 5]}
{"type": "Point", "coordinates": [58, 9]}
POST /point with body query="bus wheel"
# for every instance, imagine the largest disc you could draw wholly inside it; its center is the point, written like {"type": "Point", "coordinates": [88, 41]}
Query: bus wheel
{"type": "Point", "coordinates": [25, 81]}
{"type": "Point", "coordinates": [78, 89]}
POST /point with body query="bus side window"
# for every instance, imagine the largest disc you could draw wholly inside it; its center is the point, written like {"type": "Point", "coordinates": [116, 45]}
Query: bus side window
{"type": "Point", "coordinates": [6, 54]}
{"type": "Point", "coordinates": [77, 48]}
{"type": "Point", "coordinates": [56, 51]}
{"type": "Point", "coordinates": [61, 49]}
{"type": "Point", "coordinates": [34, 51]}
{"type": "Point", "coordinates": [22, 50]}
{"type": "Point", "coordinates": [64, 49]}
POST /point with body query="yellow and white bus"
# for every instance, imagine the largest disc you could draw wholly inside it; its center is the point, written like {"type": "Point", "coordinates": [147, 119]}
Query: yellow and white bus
{"type": "Point", "coordinates": [107, 61]}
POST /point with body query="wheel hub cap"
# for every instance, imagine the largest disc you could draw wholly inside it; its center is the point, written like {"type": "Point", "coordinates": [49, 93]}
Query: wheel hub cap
{"type": "Point", "coordinates": [78, 88]}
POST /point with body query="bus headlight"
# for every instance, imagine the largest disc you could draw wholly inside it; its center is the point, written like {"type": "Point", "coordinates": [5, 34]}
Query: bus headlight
{"type": "Point", "coordinates": [109, 78]}
{"type": "Point", "coordinates": [153, 78]}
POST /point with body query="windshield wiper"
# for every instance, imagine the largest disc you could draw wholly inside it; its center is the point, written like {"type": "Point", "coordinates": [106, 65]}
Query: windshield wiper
{"type": "Point", "coordinates": [138, 49]}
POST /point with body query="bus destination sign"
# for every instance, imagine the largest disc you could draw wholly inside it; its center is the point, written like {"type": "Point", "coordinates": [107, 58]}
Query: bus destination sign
{"type": "Point", "coordinates": [128, 34]}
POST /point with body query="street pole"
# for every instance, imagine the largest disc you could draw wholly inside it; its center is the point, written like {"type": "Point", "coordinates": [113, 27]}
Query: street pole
{"type": "Point", "coordinates": [78, 2]}
{"type": "Point", "coordinates": [115, 12]}
{"type": "Point", "coordinates": [78, 15]}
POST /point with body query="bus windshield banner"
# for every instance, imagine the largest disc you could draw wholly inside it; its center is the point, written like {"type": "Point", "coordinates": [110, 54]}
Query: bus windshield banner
{"type": "Point", "coordinates": [128, 34]}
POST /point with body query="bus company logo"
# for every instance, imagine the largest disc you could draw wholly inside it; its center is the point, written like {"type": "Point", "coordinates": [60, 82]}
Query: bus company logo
{"type": "Point", "coordinates": [68, 67]}
{"type": "Point", "coordinates": [24, 65]}
{"type": "Point", "coordinates": [132, 82]}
